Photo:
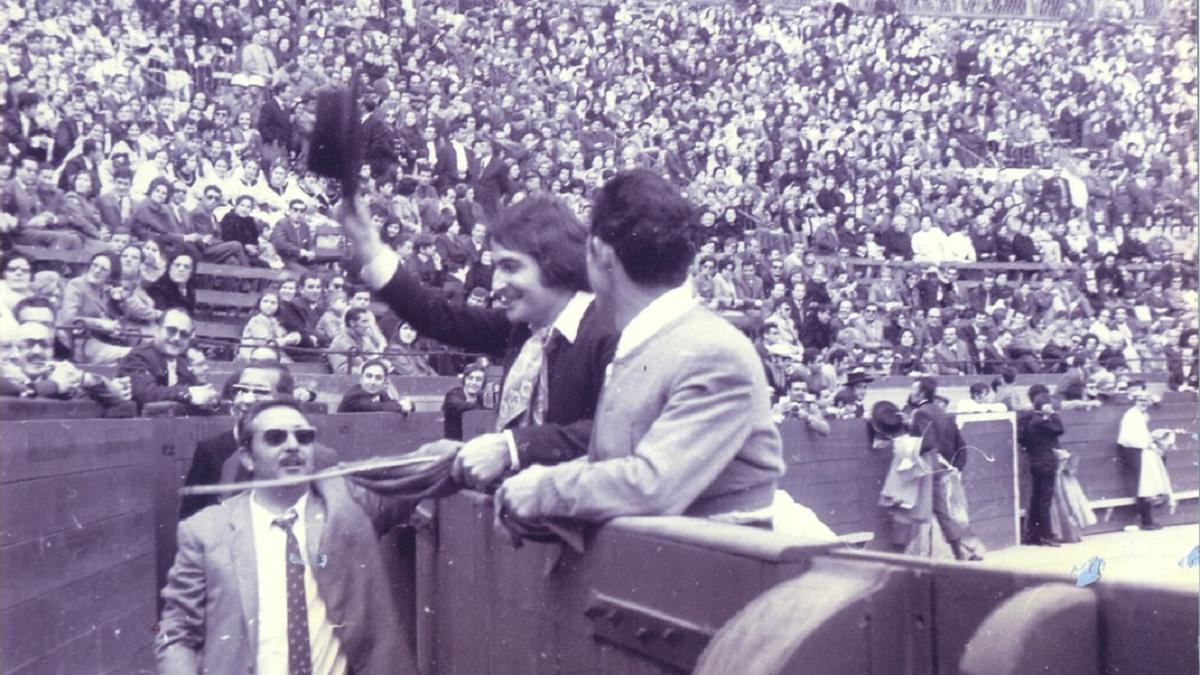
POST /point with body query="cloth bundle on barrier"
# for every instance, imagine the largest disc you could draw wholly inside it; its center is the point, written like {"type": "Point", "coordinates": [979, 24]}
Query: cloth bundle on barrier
{"type": "Point", "coordinates": [1070, 512]}
{"type": "Point", "coordinates": [906, 496]}
{"type": "Point", "coordinates": [1154, 482]}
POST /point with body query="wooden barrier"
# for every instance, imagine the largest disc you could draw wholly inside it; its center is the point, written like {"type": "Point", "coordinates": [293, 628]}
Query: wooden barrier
{"type": "Point", "coordinates": [499, 609]}
{"type": "Point", "coordinates": [655, 595]}
{"type": "Point", "coordinates": [90, 507]}
{"type": "Point", "coordinates": [77, 547]}
{"type": "Point", "coordinates": [1091, 435]}
{"type": "Point", "coordinates": [840, 477]}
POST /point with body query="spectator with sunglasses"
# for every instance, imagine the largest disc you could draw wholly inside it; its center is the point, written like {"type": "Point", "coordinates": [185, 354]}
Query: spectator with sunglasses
{"type": "Point", "coordinates": [215, 460]}
{"type": "Point", "coordinates": [159, 369]}
{"type": "Point", "coordinates": [309, 553]}
{"type": "Point", "coordinates": [41, 376]}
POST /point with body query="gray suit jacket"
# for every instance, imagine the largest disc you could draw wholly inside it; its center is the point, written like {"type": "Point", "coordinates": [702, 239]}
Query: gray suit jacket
{"type": "Point", "coordinates": [683, 427]}
{"type": "Point", "coordinates": [210, 613]}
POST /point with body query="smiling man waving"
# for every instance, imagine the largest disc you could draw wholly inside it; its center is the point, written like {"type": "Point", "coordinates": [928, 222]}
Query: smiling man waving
{"type": "Point", "coordinates": [551, 337]}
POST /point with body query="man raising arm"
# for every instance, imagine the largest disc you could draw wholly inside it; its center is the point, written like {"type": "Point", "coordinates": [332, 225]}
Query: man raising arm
{"type": "Point", "coordinates": [684, 421]}
{"type": "Point", "coordinates": [551, 338]}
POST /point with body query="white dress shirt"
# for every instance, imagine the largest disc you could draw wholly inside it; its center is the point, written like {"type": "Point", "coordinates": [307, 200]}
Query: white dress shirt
{"type": "Point", "coordinates": [654, 317]}
{"type": "Point", "coordinates": [270, 547]}
{"type": "Point", "coordinates": [1135, 430]}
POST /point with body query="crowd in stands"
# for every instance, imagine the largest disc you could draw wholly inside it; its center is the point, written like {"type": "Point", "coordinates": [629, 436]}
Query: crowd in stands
{"type": "Point", "coordinates": [851, 175]}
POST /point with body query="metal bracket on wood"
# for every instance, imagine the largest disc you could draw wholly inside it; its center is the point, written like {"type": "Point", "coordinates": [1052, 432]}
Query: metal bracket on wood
{"type": "Point", "coordinates": [664, 639]}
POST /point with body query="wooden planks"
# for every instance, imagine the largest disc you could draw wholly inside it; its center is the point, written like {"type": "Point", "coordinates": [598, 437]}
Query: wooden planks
{"type": "Point", "coordinates": [76, 544]}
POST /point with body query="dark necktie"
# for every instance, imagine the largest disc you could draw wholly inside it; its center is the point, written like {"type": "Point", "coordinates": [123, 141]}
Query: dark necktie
{"type": "Point", "coordinates": [299, 651]}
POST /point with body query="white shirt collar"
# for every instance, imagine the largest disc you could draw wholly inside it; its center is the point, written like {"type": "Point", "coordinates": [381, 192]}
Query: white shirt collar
{"type": "Point", "coordinates": [264, 516]}
{"type": "Point", "coordinates": [665, 309]}
{"type": "Point", "coordinates": [567, 323]}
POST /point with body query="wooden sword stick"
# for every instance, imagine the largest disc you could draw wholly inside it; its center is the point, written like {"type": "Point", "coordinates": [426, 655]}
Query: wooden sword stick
{"type": "Point", "coordinates": [332, 472]}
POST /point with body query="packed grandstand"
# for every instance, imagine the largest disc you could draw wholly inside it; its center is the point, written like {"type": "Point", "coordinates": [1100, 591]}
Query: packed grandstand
{"type": "Point", "coordinates": [881, 190]}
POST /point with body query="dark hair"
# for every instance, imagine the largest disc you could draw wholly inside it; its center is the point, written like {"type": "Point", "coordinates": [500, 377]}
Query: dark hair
{"type": "Point", "coordinates": [35, 301]}
{"type": "Point", "coordinates": [1009, 374]}
{"type": "Point", "coordinates": [182, 254]}
{"type": "Point", "coordinates": [114, 263]}
{"type": "Point", "coordinates": [352, 315]}
{"type": "Point", "coordinates": [978, 388]}
{"type": "Point", "coordinates": [927, 387]}
{"type": "Point", "coordinates": [542, 227]}
{"type": "Point", "coordinates": [1037, 390]}
{"type": "Point", "coordinates": [13, 255]}
{"type": "Point", "coordinates": [309, 275]}
{"type": "Point", "coordinates": [160, 181]}
{"type": "Point", "coordinates": [648, 224]}
{"type": "Point", "coordinates": [244, 424]}
{"type": "Point", "coordinates": [374, 362]}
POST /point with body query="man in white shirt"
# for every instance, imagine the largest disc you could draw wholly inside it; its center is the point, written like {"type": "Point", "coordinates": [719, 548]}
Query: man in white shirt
{"type": "Point", "coordinates": [1133, 443]}
{"type": "Point", "coordinates": [284, 580]}
{"type": "Point", "coordinates": [929, 243]}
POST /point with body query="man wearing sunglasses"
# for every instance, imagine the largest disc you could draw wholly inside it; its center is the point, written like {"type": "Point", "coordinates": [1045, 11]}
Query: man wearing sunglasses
{"type": "Point", "coordinates": [41, 376]}
{"type": "Point", "coordinates": [284, 579]}
{"type": "Point", "coordinates": [159, 369]}
{"type": "Point", "coordinates": [214, 460]}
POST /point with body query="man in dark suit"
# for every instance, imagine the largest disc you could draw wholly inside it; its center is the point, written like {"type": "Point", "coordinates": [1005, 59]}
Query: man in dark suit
{"type": "Point", "coordinates": [214, 461]}
{"type": "Point", "coordinates": [88, 161]}
{"type": "Point", "coordinates": [292, 237]}
{"type": "Point", "coordinates": [939, 434]}
{"type": "Point", "coordinates": [116, 205]}
{"type": "Point", "coordinates": [379, 140]}
{"type": "Point", "coordinates": [36, 220]}
{"type": "Point", "coordinates": [244, 594]}
{"type": "Point", "coordinates": [274, 123]}
{"type": "Point", "coordinates": [374, 393]}
{"type": "Point", "coordinates": [302, 315]}
{"type": "Point", "coordinates": [553, 340]}
{"type": "Point", "coordinates": [454, 161]}
{"type": "Point", "coordinates": [491, 181]}
{"type": "Point", "coordinates": [158, 370]}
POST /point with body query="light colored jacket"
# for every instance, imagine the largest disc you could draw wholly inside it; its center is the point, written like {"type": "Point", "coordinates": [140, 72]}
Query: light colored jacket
{"type": "Point", "coordinates": [683, 426]}
{"type": "Point", "coordinates": [210, 603]}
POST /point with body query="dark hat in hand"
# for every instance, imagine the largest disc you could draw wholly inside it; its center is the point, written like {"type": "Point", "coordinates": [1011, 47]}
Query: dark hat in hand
{"type": "Point", "coordinates": [886, 419]}
{"type": "Point", "coordinates": [335, 148]}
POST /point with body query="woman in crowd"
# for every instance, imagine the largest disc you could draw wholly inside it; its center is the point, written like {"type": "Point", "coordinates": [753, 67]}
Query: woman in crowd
{"type": "Point", "coordinates": [154, 266]}
{"type": "Point", "coordinates": [175, 288]}
{"type": "Point", "coordinates": [402, 357]}
{"type": "Point", "coordinates": [152, 218]}
{"type": "Point", "coordinates": [80, 211]}
{"type": "Point", "coordinates": [264, 329]}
